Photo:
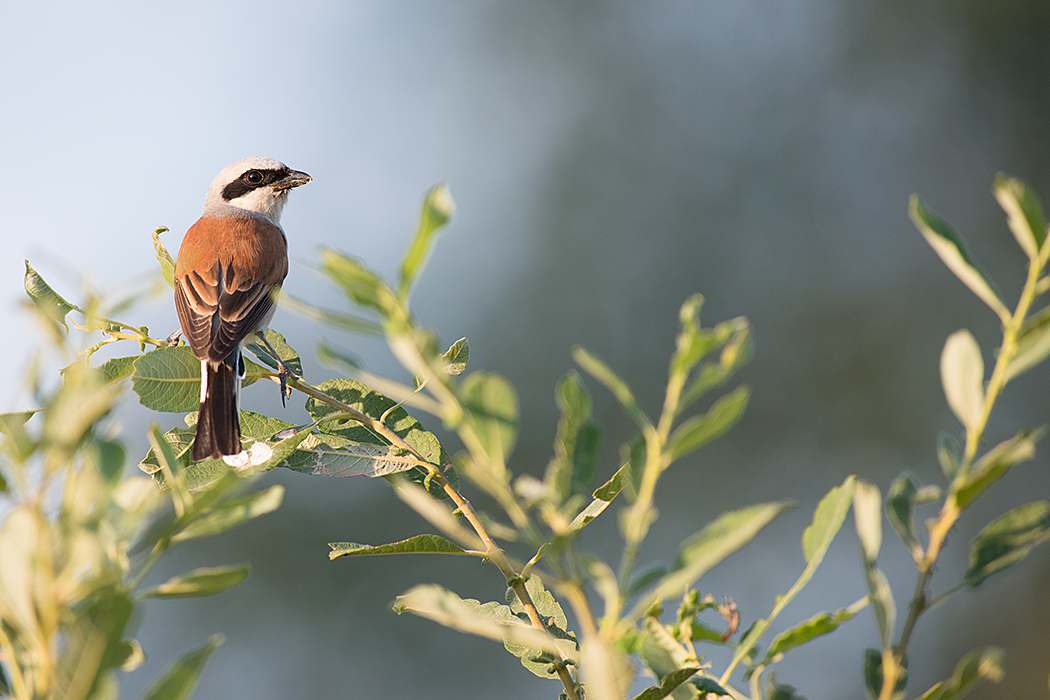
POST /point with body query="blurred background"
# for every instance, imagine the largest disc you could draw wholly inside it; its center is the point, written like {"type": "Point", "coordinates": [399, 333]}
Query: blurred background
{"type": "Point", "coordinates": [608, 159]}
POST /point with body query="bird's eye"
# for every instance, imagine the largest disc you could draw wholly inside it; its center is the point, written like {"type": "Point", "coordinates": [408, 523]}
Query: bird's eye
{"type": "Point", "coordinates": [254, 177]}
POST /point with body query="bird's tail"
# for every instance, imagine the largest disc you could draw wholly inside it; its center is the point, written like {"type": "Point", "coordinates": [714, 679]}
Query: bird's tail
{"type": "Point", "coordinates": [218, 423]}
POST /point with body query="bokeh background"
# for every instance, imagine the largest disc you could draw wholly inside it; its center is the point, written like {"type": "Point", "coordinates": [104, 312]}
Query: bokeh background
{"type": "Point", "coordinates": [608, 159]}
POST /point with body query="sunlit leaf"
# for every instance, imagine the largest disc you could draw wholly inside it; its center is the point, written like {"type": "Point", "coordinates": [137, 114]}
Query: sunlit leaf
{"type": "Point", "coordinates": [962, 375]}
{"type": "Point", "coordinates": [946, 243]}
{"type": "Point", "coordinates": [816, 626]}
{"type": "Point", "coordinates": [1024, 213]}
{"type": "Point", "coordinates": [200, 582]}
{"type": "Point", "coordinates": [489, 620]}
{"type": "Point", "coordinates": [978, 665]}
{"type": "Point", "coordinates": [420, 544]}
{"type": "Point", "coordinates": [231, 513]}
{"type": "Point", "coordinates": [167, 265]}
{"type": "Point", "coordinates": [698, 430]}
{"type": "Point", "coordinates": [827, 519]}
{"type": "Point", "coordinates": [46, 298]}
{"type": "Point", "coordinates": [699, 553]}
{"type": "Point", "coordinates": [455, 358]}
{"type": "Point", "coordinates": [438, 208]}
{"type": "Point", "coordinates": [1033, 344]}
{"type": "Point", "coordinates": [168, 379]}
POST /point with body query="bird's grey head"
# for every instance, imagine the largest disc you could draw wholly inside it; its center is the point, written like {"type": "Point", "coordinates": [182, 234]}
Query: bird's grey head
{"type": "Point", "coordinates": [256, 185]}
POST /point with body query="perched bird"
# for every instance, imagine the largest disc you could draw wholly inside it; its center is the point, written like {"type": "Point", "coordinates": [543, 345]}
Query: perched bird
{"type": "Point", "coordinates": [227, 276]}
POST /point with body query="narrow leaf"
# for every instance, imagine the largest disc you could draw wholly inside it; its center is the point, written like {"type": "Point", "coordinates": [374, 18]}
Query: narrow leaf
{"type": "Point", "coordinates": [595, 367]}
{"type": "Point", "coordinates": [707, 548]}
{"type": "Point", "coordinates": [944, 241]}
{"type": "Point", "coordinates": [167, 265]}
{"type": "Point", "coordinates": [900, 510]}
{"type": "Point", "coordinates": [438, 208]}
{"type": "Point", "coordinates": [1033, 344]}
{"type": "Point", "coordinates": [867, 511]}
{"type": "Point", "coordinates": [46, 298]}
{"type": "Point", "coordinates": [200, 582]}
{"type": "Point", "coordinates": [603, 496]}
{"type": "Point", "coordinates": [827, 519]}
{"type": "Point", "coordinates": [994, 465]}
{"type": "Point", "coordinates": [420, 544]}
{"type": "Point", "coordinates": [814, 627]}
{"type": "Point", "coordinates": [180, 678]}
{"type": "Point", "coordinates": [701, 429]}
{"type": "Point", "coordinates": [1007, 540]}
{"type": "Point", "coordinates": [231, 513]}
{"type": "Point", "coordinates": [962, 375]}
{"type": "Point", "coordinates": [978, 665]}
{"type": "Point", "coordinates": [1024, 213]}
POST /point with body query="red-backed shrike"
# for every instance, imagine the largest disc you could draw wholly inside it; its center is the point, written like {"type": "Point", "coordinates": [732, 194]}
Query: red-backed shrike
{"type": "Point", "coordinates": [227, 276]}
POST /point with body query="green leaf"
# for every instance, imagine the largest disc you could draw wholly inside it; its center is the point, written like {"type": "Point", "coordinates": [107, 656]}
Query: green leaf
{"type": "Point", "coordinates": [284, 350]}
{"type": "Point", "coordinates": [329, 317]}
{"type": "Point", "coordinates": [1033, 344]}
{"type": "Point", "coordinates": [117, 368]}
{"type": "Point", "coordinates": [230, 513]}
{"type": "Point", "coordinates": [180, 678]}
{"type": "Point", "coordinates": [962, 375]}
{"type": "Point", "coordinates": [168, 379]}
{"type": "Point", "coordinates": [603, 496]}
{"type": "Point", "coordinates": [867, 511]}
{"type": "Point", "coordinates": [949, 454]}
{"type": "Point", "coordinates": [420, 544]}
{"type": "Point", "coordinates": [491, 406]}
{"type": "Point", "coordinates": [873, 675]}
{"type": "Point", "coordinates": [550, 611]}
{"type": "Point", "coordinates": [827, 520]}
{"type": "Point", "coordinates": [595, 367]}
{"type": "Point", "coordinates": [1024, 213]}
{"type": "Point", "coordinates": [200, 582]}
{"type": "Point", "coordinates": [698, 430]}
{"type": "Point", "coordinates": [994, 465]}
{"type": "Point", "coordinates": [365, 400]}
{"type": "Point", "coordinates": [167, 265]}
{"type": "Point", "coordinates": [900, 510]}
{"type": "Point", "coordinates": [438, 208]}
{"type": "Point", "coordinates": [981, 664]}
{"type": "Point", "coordinates": [814, 627]}
{"type": "Point", "coordinates": [576, 443]}
{"type": "Point", "coordinates": [46, 298]}
{"type": "Point", "coordinates": [455, 358]}
{"type": "Point", "coordinates": [704, 550]}
{"type": "Point", "coordinates": [670, 682]}
{"type": "Point", "coordinates": [946, 243]}
{"type": "Point", "coordinates": [661, 652]}
{"type": "Point", "coordinates": [364, 287]}
{"type": "Point", "coordinates": [1007, 540]}
{"type": "Point", "coordinates": [490, 620]}
{"type": "Point", "coordinates": [93, 644]}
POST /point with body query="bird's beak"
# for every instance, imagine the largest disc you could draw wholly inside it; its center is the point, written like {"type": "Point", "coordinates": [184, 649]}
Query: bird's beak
{"type": "Point", "coordinates": [294, 179]}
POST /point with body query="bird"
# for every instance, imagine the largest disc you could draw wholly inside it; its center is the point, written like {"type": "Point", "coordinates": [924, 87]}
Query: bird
{"type": "Point", "coordinates": [228, 272]}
